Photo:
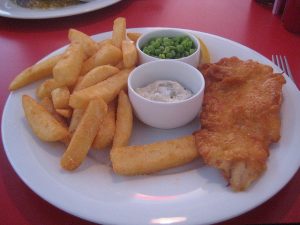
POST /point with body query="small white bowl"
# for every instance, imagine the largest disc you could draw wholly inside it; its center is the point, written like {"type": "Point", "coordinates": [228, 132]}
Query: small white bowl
{"type": "Point", "coordinates": [166, 115]}
{"type": "Point", "coordinates": [192, 59]}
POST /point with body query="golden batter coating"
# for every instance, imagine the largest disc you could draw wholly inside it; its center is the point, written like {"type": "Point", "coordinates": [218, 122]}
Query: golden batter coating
{"type": "Point", "coordinates": [240, 118]}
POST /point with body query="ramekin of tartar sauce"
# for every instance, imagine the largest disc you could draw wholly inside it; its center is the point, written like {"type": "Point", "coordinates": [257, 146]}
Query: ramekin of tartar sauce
{"type": "Point", "coordinates": [166, 94]}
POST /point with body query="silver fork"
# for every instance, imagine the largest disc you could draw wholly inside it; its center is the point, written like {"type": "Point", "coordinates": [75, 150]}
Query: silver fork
{"type": "Point", "coordinates": [283, 64]}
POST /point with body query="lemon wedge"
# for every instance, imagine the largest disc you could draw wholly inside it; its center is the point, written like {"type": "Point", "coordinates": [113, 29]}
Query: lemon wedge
{"type": "Point", "coordinates": [205, 56]}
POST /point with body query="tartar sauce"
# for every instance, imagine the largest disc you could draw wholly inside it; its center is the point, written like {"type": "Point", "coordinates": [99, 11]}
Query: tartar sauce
{"type": "Point", "coordinates": [164, 91]}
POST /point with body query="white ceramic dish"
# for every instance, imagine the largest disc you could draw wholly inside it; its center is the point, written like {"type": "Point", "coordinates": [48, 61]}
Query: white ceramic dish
{"type": "Point", "coordinates": [9, 9]}
{"type": "Point", "coordinates": [192, 59]}
{"type": "Point", "coordinates": [193, 194]}
{"type": "Point", "coordinates": [166, 115]}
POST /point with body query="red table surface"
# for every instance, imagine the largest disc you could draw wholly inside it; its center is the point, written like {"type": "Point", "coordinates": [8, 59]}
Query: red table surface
{"type": "Point", "coordinates": [23, 42]}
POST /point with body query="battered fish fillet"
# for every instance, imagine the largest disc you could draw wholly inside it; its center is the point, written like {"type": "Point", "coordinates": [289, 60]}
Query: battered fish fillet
{"type": "Point", "coordinates": [240, 118]}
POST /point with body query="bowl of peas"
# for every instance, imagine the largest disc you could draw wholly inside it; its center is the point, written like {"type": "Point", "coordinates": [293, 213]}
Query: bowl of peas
{"type": "Point", "coordinates": [169, 44]}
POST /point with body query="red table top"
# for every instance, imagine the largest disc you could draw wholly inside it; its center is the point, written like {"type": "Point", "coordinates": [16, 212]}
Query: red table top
{"type": "Point", "coordinates": [23, 42]}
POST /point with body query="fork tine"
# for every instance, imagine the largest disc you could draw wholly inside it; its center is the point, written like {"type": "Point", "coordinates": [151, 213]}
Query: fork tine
{"type": "Point", "coordinates": [278, 62]}
{"type": "Point", "coordinates": [283, 65]}
{"type": "Point", "coordinates": [273, 59]}
{"type": "Point", "coordinates": [289, 73]}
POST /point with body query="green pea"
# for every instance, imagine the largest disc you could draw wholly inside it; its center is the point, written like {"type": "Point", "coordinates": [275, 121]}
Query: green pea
{"type": "Point", "coordinates": [169, 55]}
{"type": "Point", "coordinates": [173, 53]}
{"type": "Point", "coordinates": [162, 56]}
{"type": "Point", "coordinates": [192, 50]}
{"type": "Point", "coordinates": [165, 39]}
{"type": "Point", "coordinates": [167, 49]}
{"type": "Point", "coordinates": [158, 51]}
{"type": "Point", "coordinates": [180, 48]}
{"type": "Point", "coordinates": [156, 44]}
{"type": "Point", "coordinates": [151, 48]}
{"type": "Point", "coordinates": [159, 40]}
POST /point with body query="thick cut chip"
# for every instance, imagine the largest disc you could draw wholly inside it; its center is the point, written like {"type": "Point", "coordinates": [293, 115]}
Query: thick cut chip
{"type": "Point", "coordinates": [104, 42]}
{"type": "Point", "coordinates": [107, 90]}
{"type": "Point", "coordinates": [67, 70]}
{"type": "Point", "coordinates": [89, 46]}
{"type": "Point", "coordinates": [108, 54]}
{"type": "Point", "coordinates": [124, 121]}
{"type": "Point", "coordinates": [60, 98]}
{"type": "Point", "coordinates": [133, 36]}
{"type": "Point", "coordinates": [107, 128]}
{"type": "Point", "coordinates": [84, 135]}
{"type": "Point", "coordinates": [119, 31]}
{"type": "Point", "coordinates": [95, 76]}
{"type": "Point", "coordinates": [48, 105]}
{"type": "Point", "coordinates": [130, 56]}
{"type": "Point", "coordinates": [120, 65]}
{"type": "Point", "coordinates": [36, 72]}
{"type": "Point", "coordinates": [66, 113]}
{"type": "Point", "coordinates": [150, 158]}
{"type": "Point", "coordinates": [45, 88]}
{"type": "Point", "coordinates": [43, 124]}
{"type": "Point", "coordinates": [76, 117]}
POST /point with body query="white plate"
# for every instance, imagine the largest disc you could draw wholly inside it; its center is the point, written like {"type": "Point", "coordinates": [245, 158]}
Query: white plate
{"type": "Point", "coordinates": [192, 194]}
{"type": "Point", "coordinates": [9, 9]}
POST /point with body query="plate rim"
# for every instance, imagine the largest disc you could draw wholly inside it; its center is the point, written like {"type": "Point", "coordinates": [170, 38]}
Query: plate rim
{"type": "Point", "coordinates": [55, 13]}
